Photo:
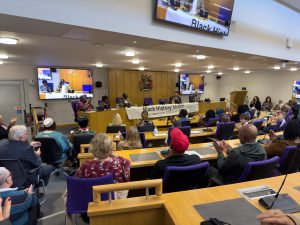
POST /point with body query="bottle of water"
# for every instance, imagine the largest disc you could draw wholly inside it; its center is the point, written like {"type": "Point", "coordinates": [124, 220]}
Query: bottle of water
{"type": "Point", "coordinates": [155, 131]}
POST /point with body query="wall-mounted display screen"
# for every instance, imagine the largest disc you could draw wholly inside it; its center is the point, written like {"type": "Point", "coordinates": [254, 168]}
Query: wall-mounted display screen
{"type": "Point", "coordinates": [189, 83]}
{"type": "Point", "coordinates": [296, 89]}
{"type": "Point", "coordinates": [59, 83]}
{"type": "Point", "coordinates": [207, 15]}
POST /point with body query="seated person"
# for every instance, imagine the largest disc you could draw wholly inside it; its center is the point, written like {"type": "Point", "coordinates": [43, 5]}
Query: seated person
{"type": "Point", "coordinates": [195, 97]}
{"type": "Point", "coordinates": [176, 157]}
{"type": "Point", "coordinates": [255, 103]}
{"type": "Point", "coordinates": [124, 101]}
{"type": "Point", "coordinates": [63, 87]}
{"type": "Point", "coordinates": [244, 120]}
{"type": "Point", "coordinates": [144, 121]}
{"type": "Point", "coordinates": [62, 141]}
{"type": "Point", "coordinates": [116, 120]}
{"type": "Point", "coordinates": [225, 118]}
{"type": "Point", "coordinates": [45, 88]}
{"type": "Point", "coordinates": [16, 147]}
{"type": "Point", "coordinates": [83, 122]}
{"type": "Point", "coordinates": [105, 162]}
{"type": "Point", "coordinates": [176, 98]}
{"type": "Point", "coordinates": [183, 116]}
{"type": "Point", "coordinates": [279, 105]}
{"type": "Point", "coordinates": [25, 205]}
{"type": "Point", "coordinates": [84, 104]}
{"type": "Point", "coordinates": [267, 104]}
{"type": "Point", "coordinates": [277, 217]}
{"type": "Point", "coordinates": [230, 169]}
{"type": "Point", "coordinates": [294, 107]}
{"type": "Point", "coordinates": [280, 117]}
{"type": "Point", "coordinates": [132, 140]}
{"type": "Point", "coordinates": [204, 119]}
{"type": "Point", "coordinates": [291, 136]}
{"type": "Point", "coordinates": [105, 105]}
{"type": "Point", "coordinates": [219, 112]}
{"type": "Point", "coordinates": [5, 129]}
{"type": "Point", "coordinates": [241, 109]}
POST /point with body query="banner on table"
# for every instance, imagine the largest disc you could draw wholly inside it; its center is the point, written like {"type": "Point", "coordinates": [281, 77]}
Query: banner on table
{"type": "Point", "coordinates": [156, 111]}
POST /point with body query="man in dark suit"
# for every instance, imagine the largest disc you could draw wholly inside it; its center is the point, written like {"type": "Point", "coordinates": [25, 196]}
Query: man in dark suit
{"type": "Point", "coordinates": [16, 147]}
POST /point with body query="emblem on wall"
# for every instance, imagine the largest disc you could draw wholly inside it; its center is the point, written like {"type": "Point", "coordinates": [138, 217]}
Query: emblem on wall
{"type": "Point", "coordinates": [146, 83]}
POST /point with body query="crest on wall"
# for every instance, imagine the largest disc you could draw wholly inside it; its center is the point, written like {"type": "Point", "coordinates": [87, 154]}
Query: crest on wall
{"type": "Point", "coordinates": [146, 82]}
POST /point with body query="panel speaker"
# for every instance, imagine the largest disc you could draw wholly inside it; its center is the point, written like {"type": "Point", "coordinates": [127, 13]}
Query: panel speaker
{"type": "Point", "coordinates": [98, 84]}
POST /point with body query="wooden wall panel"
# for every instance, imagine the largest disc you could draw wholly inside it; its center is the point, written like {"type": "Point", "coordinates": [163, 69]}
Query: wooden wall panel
{"type": "Point", "coordinates": [120, 81]}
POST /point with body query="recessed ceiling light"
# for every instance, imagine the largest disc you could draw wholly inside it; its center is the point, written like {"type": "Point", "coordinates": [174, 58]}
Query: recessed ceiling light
{"type": "Point", "coordinates": [135, 61]}
{"type": "Point", "coordinates": [236, 68]}
{"type": "Point", "coordinates": [208, 71]}
{"type": "Point", "coordinates": [178, 64]}
{"type": "Point", "coordinates": [293, 69]}
{"type": "Point", "coordinates": [276, 67]}
{"type": "Point", "coordinates": [220, 73]}
{"type": "Point", "coordinates": [129, 53]}
{"type": "Point", "coordinates": [142, 68]}
{"type": "Point", "coordinates": [210, 67]}
{"type": "Point", "coordinates": [201, 57]}
{"type": "Point", "coordinates": [176, 70]}
{"type": "Point", "coordinates": [247, 71]}
{"type": "Point", "coordinates": [134, 42]}
{"type": "Point", "coordinates": [3, 56]}
{"type": "Point", "coordinates": [99, 65]}
{"type": "Point", "coordinates": [1, 62]}
{"type": "Point", "coordinates": [197, 50]}
{"type": "Point", "coordinates": [8, 41]}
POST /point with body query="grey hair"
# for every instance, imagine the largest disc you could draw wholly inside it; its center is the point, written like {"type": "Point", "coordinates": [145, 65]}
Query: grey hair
{"type": "Point", "coordinates": [16, 132]}
{"type": "Point", "coordinates": [101, 146]}
{"type": "Point", "coordinates": [4, 173]}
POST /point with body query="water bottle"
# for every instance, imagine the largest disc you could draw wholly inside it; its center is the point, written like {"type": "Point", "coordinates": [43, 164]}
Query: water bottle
{"type": "Point", "coordinates": [155, 131]}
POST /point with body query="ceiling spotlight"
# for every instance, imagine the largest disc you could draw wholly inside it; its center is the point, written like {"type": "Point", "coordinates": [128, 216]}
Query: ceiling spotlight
{"type": "Point", "coordinates": [276, 67]}
{"type": "Point", "coordinates": [134, 42]}
{"type": "Point", "coordinates": [247, 71]}
{"type": "Point", "coordinates": [293, 69]}
{"type": "Point", "coordinates": [1, 62]}
{"type": "Point", "coordinates": [99, 65]}
{"type": "Point", "coordinates": [8, 41]}
{"type": "Point", "coordinates": [208, 71]}
{"type": "Point", "coordinates": [220, 73]}
{"type": "Point", "coordinates": [210, 67]}
{"type": "Point", "coordinates": [129, 53]}
{"type": "Point", "coordinates": [178, 64]}
{"type": "Point", "coordinates": [176, 70]}
{"type": "Point", "coordinates": [201, 57]}
{"type": "Point", "coordinates": [135, 61]}
{"type": "Point", "coordinates": [142, 68]}
{"type": "Point", "coordinates": [3, 56]}
{"type": "Point", "coordinates": [236, 68]}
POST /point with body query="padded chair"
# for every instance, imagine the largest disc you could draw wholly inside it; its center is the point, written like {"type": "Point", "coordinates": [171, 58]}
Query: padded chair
{"type": "Point", "coordinates": [258, 124]}
{"type": "Point", "coordinates": [115, 129]}
{"type": "Point", "coordinates": [146, 128]}
{"type": "Point", "coordinates": [148, 101]}
{"type": "Point", "coordinates": [162, 101]}
{"type": "Point", "coordinates": [142, 137]}
{"type": "Point", "coordinates": [290, 160]}
{"type": "Point", "coordinates": [118, 99]}
{"type": "Point", "coordinates": [79, 194]}
{"type": "Point", "coordinates": [99, 102]}
{"type": "Point", "coordinates": [260, 169]}
{"type": "Point", "coordinates": [224, 130]}
{"type": "Point", "coordinates": [181, 178]}
{"type": "Point", "coordinates": [79, 140]}
{"type": "Point", "coordinates": [212, 121]}
{"type": "Point", "coordinates": [51, 152]}
{"type": "Point", "coordinates": [74, 105]}
{"type": "Point", "coordinates": [186, 130]}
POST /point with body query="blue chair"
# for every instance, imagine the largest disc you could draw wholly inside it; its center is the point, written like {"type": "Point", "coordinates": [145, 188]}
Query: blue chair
{"type": "Point", "coordinates": [148, 101]}
{"type": "Point", "coordinates": [186, 130]}
{"type": "Point", "coordinates": [99, 102]}
{"type": "Point", "coordinates": [260, 170]}
{"type": "Point", "coordinates": [212, 121]}
{"type": "Point", "coordinates": [142, 137]}
{"type": "Point", "coordinates": [146, 128]}
{"type": "Point", "coordinates": [162, 101]}
{"type": "Point", "coordinates": [181, 178]}
{"type": "Point", "coordinates": [224, 130]}
{"type": "Point", "coordinates": [79, 193]}
{"type": "Point", "coordinates": [290, 160]}
{"type": "Point", "coordinates": [258, 124]}
{"type": "Point", "coordinates": [115, 129]}
{"type": "Point", "coordinates": [118, 100]}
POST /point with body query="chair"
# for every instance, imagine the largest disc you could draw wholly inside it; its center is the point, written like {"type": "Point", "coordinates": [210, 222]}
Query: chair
{"type": "Point", "coordinates": [258, 124]}
{"type": "Point", "coordinates": [99, 102]}
{"type": "Point", "coordinates": [181, 178]}
{"type": "Point", "coordinates": [224, 130]}
{"type": "Point", "coordinates": [185, 130]}
{"type": "Point", "coordinates": [118, 99]}
{"type": "Point", "coordinates": [259, 170]}
{"type": "Point", "coordinates": [51, 152]}
{"type": "Point", "coordinates": [146, 128]}
{"type": "Point", "coordinates": [142, 137]}
{"type": "Point", "coordinates": [115, 129]}
{"type": "Point", "coordinates": [79, 193]}
{"type": "Point", "coordinates": [74, 105]}
{"type": "Point", "coordinates": [290, 160]}
{"type": "Point", "coordinates": [212, 121]}
{"type": "Point", "coordinates": [162, 101]}
{"type": "Point", "coordinates": [79, 140]}
{"type": "Point", "coordinates": [148, 101]}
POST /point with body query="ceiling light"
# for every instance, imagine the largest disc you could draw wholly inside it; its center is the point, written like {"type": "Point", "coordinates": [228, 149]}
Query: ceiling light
{"type": "Point", "coordinates": [134, 42]}
{"type": "Point", "coordinates": [1, 62]}
{"type": "Point", "coordinates": [210, 67]}
{"type": "Point", "coordinates": [247, 71]}
{"type": "Point", "coordinates": [208, 71]}
{"type": "Point", "coordinates": [236, 68]}
{"type": "Point", "coordinates": [135, 61]}
{"type": "Point", "coordinates": [8, 41]}
{"type": "Point", "coordinates": [220, 73]}
{"type": "Point", "coordinates": [293, 69]}
{"type": "Point", "coordinates": [3, 56]}
{"type": "Point", "coordinates": [129, 53]}
{"type": "Point", "coordinates": [201, 57]}
{"type": "Point", "coordinates": [176, 70]}
{"type": "Point", "coordinates": [99, 65]}
{"type": "Point", "coordinates": [276, 67]}
{"type": "Point", "coordinates": [178, 64]}
{"type": "Point", "coordinates": [142, 68]}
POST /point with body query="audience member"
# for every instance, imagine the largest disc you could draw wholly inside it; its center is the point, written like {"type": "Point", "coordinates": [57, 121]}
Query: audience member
{"type": "Point", "coordinates": [244, 118]}
{"type": "Point", "coordinates": [240, 110]}
{"type": "Point", "coordinates": [104, 105]}
{"type": "Point", "coordinates": [62, 141]}
{"type": "Point", "coordinates": [183, 116]}
{"type": "Point", "coordinates": [277, 217]}
{"type": "Point", "coordinates": [267, 104]}
{"type": "Point", "coordinates": [83, 128]}
{"type": "Point", "coordinates": [105, 162]}
{"type": "Point", "coordinates": [25, 207]}
{"type": "Point", "coordinates": [291, 135]}
{"type": "Point", "coordinates": [116, 120]}
{"type": "Point", "coordinates": [208, 115]}
{"type": "Point", "coordinates": [294, 107]}
{"type": "Point", "coordinates": [124, 101]}
{"type": "Point", "coordinates": [225, 118]}
{"type": "Point", "coordinates": [132, 140]}
{"type": "Point", "coordinates": [176, 98]}
{"type": "Point", "coordinates": [176, 157]}
{"type": "Point", "coordinates": [219, 112]}
{"type": "Point", "coordinates": [255, 103]}
{"type": "Point", "coordinates": [144, 121]}
{"type": "Point", "coordinates": [84, 104]}
{"type": "Point", "coordinates": [16, 147]}
{"type": "Point", "coordinates": [230, 169]}
{"type": "Point", "coordinates": [5, 129]}
{"type": "Point", "coordinates": [279, 105]}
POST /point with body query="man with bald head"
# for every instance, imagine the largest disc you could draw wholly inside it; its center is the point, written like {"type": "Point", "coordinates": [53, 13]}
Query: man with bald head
{"type": "Point", "coordinates": [230, 169]}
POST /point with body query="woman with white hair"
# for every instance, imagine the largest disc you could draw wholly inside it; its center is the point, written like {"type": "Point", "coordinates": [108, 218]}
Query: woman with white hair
{"type": "Point", "coordinates": [5, 129]}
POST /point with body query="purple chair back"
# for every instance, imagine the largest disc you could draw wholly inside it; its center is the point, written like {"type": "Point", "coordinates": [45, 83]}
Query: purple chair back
{"type": "Point", "coordinates": [149, 101]}
{"type": "Point", "coordinates": [99, 102]}
{"type": "Point", "coordinates": [142, 137]}
{"type": "Point", "coordinates": [181, 178]}
{"type": "Point", "coordinates": [79, 192]}
{"type": "Point", "coordinates": [258, 124]}
{"type": "Point", "coordinates": [252, 113]}
{"type": "Point", "coordinates": [212, 121]}
{"type": "Point", "coordinates": [224, 130]}
{"type": "Point", "coordinates": [260, 169]}
{"type": "Point", "coordinates": [118, 100]}
{"type": "Point", "coordinates": [290, 160]}
{"type": "Point", "coordinates": [186, 130]}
